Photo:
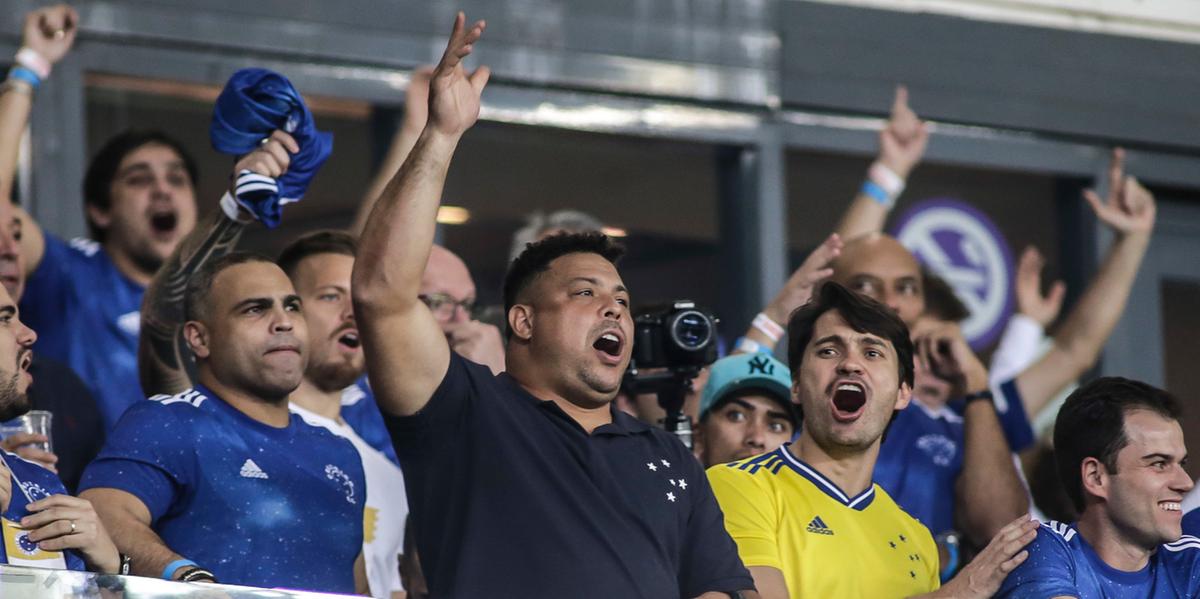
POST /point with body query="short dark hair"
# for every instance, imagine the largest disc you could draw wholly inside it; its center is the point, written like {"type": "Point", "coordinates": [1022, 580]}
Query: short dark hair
{"type": "Point", "coordinates": [862, 313]}
{"type": "Point", "coordinates": [196, 296]}
{"type": "Point", "coordinates": [538, 255]}
{"type": "Point", "coordinates": [97, 182]}
{"type": "Point", "coordinates": [315, 243]}
{"type": "Point", "coordinates": [1091, 424]}
{"type": "Point", "coordinates": [940, 300]}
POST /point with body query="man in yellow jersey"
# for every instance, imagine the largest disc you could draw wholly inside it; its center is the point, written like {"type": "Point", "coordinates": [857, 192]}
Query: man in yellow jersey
{"type": "Point", "coordinates": [806, 517]}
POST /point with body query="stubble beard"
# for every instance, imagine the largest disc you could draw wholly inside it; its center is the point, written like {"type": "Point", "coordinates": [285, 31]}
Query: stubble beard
{"type": "Point", "coordinates": [13, 403]}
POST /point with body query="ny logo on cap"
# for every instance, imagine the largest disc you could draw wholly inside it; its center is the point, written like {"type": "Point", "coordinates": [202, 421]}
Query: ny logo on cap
{"type": "Point", "coordinates": [762, 364]}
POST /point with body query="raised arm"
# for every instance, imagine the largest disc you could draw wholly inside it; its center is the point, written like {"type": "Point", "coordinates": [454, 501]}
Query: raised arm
{"type": "Point", "coordinates": [1129, 210]}
{"type": "Point", "coordinates": [902, 143]}
{"type": "Point", "coordinates": [1022, 338]}
{"type": "Point", "coordinates": [48, 33]}
{"type": "Point", "coordinates": [988, 492]}
{"type": "Point", "coordinates": [763, 336]}
{"type": "Point", "coordinates": [416, 112]}
{"type": "Point", "coordinates": [407, 353]}
{"type": "Point", "coordinates": [164, 359]}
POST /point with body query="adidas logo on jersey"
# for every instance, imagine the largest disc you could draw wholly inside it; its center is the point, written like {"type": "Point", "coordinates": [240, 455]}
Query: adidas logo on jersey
{"type": "Point", "coordinates": [818, 526]}
{"type": "Point", "coordinates": [251, 470]}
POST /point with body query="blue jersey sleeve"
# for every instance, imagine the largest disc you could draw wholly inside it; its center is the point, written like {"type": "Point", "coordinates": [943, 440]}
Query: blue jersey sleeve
{"type": "Point", "coordinates": [1010, 408]}
{"type": "Point", "coordinates": [1048, 571]}
{"type": "Point", "coordinates": [148, 455]}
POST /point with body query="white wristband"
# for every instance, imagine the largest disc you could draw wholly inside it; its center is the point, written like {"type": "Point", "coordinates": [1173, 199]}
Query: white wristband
{"type": "Point", "coordinates": [30, 59]}
{"type": "Point", "coordinates": [886, 178]}
{"type": "Point", "coordinates": [231, 209]}
{"type": "Point", "coordinates": [768, 327]}
{"type": "Point", "coordinates": [749, 346]}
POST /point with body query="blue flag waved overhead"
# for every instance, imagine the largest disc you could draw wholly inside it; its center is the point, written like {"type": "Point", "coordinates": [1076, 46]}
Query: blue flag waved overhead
{"type": "Point", "coordinates": [254, 103]}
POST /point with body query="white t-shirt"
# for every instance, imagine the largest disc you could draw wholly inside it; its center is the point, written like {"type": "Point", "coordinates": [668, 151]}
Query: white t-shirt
{"type": "Point", "coordinates": [385, 512]}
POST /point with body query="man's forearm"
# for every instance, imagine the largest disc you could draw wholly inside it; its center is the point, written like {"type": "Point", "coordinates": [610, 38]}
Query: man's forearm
{"type": "Point", "coordinates": [164, 360]}
{"type": "Point", "coordinates": [865, 215]}
{"type": "Point", "coordinates": [148, 554]}
{"type": "Point", "coordinates": [990, 493]}
{"type": "Point", "coordinates": [1092, 320]}
{"type": "Point", "coordinates": [15, 106]}
{"type": "Point", "coordinates": [398, 236]}
{"type": "Point", "coordinates": [1077, 345]}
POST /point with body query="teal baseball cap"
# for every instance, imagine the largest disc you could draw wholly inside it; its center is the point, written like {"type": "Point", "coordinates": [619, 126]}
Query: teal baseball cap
{"type": "Point", "coordinates": [748, 371]}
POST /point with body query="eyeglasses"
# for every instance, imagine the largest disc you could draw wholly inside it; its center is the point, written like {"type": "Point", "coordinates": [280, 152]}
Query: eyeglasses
{"type": "Point", "coordinates": [443, 305]}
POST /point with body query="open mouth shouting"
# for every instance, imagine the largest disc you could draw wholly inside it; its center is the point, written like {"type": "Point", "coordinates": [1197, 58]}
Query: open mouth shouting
{"type": "Point", "coordinates": [348, 340]}
{"type": "Point", "coordinates": [609, 345]}
{"type": "Point", "coordinates": [24, 361]}
{"type": "Point", "coordinates": [849, 400]}
{"type": "Point", "coordinates": [163, 222]}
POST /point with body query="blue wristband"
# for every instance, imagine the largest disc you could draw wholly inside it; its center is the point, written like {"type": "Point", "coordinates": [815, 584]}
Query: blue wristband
{"type": "Point", "coordinates": [175, 565]}
{"type": "Point", "coordinates": [952, 566]}
{"type": "Point", "coordinates": [24, 74]}
{"type": "Point", "coordinates": [876, 192]}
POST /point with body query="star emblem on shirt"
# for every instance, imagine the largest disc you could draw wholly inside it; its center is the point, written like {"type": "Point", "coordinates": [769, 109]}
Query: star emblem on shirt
{"type": "Point", "coordinates": [652, 467]}
{"type": "Point", "coordinates": [666, 463]}
{"type": "Point", "coordinates": [673, 483]}
{"type": "Point", "coordinates": [670, 497]}
{"type": "Point", "coordinates": [682, 484]}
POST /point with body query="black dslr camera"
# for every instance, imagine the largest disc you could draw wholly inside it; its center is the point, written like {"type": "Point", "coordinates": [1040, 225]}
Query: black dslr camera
{"type": "Point", "coordinates": [674, 341]}
{"type": "Point", "coordinates": [679, 336]}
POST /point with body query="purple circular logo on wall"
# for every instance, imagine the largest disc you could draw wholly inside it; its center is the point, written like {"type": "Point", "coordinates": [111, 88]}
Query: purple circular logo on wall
{"type": "Point", "coordinates": [963, 246]}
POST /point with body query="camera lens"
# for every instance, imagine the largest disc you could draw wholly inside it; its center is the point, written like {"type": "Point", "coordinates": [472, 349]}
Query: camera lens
{"type": "Point", "coordinates": [691, 330]}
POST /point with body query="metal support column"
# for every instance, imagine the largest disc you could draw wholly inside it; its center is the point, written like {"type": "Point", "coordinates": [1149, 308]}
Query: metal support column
{"type": "Point", "coordinates": [753, 217]}
{"type": "Point", "coordinates": [59, 152]}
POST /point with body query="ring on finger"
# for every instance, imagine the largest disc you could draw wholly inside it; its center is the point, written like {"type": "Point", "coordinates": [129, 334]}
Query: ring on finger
{"type": "Point", "coordinates": [72, 526]}
{"type": "Point", "coordinates": [264, 141]}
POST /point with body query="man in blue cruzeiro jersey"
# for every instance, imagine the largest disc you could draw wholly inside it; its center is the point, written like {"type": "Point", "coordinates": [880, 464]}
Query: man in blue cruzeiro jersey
{"type": "Point", "coordinates": [221, 481]}
{"type": "Point", "coordinates": [1120, 454]}
{"type": "Point", "coordinates": [83, 295]}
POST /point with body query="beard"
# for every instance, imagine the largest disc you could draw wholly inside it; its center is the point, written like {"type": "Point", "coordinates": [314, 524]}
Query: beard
{"type": "Point", "coordinates": [13, 403]}
{"type": "Point", "coordinates": [334, 374]}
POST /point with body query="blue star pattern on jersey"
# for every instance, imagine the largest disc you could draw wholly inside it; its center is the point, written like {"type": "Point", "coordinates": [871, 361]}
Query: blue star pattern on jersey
{"type": "Point", "coordinates": [256, 505]}
{"type": "Point", "coordinates": [1062, 563]}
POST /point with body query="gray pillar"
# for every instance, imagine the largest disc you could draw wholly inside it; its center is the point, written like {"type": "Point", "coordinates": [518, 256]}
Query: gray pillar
{"type": "Point", "coordinates": [59, 144]}
{"type": "Point", "coordinates": [753, 228]}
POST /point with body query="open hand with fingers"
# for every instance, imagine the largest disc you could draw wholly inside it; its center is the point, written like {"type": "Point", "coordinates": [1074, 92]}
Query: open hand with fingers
{"type": "Point", "coordinates": [453, 93]}
{"type": "Point", "coordinates": [1030, 301]}
{"type": "Point", "coordinates": [904, 137]}
{"type": "Point", "coordinates": [799, 287]}
{"type": "Point", "coordinates": [50, 31]}
{"type": "Point", "coordinates": [981, 578]}
{"type": "Point", "coordinates": [1128, 208]}
{"type": "Point", "coordinates": [61, 522]}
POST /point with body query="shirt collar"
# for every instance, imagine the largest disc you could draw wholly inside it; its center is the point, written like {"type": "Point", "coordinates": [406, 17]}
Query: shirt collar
{"type": "Point", "coordinates": [622, 423]}
{"type": "Point", "coordinates": [858, 502]}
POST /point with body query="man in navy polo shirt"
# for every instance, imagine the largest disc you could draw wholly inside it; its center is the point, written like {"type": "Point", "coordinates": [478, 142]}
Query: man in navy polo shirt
{"type": "Point", "coordinates": [221, 481]}
{"type": "Point", "coordinates": [530, 483]}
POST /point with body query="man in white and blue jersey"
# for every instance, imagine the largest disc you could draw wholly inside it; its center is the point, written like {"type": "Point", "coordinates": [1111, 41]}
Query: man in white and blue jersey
{"type": "Point", "coordinates": [1120, 454]}
{"type": "Point", "coordinates": [222, 482]}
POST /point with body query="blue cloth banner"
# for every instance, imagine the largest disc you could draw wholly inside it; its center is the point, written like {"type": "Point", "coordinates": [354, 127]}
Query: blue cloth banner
{"type": "Point", "coordinates": [254, 103]}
